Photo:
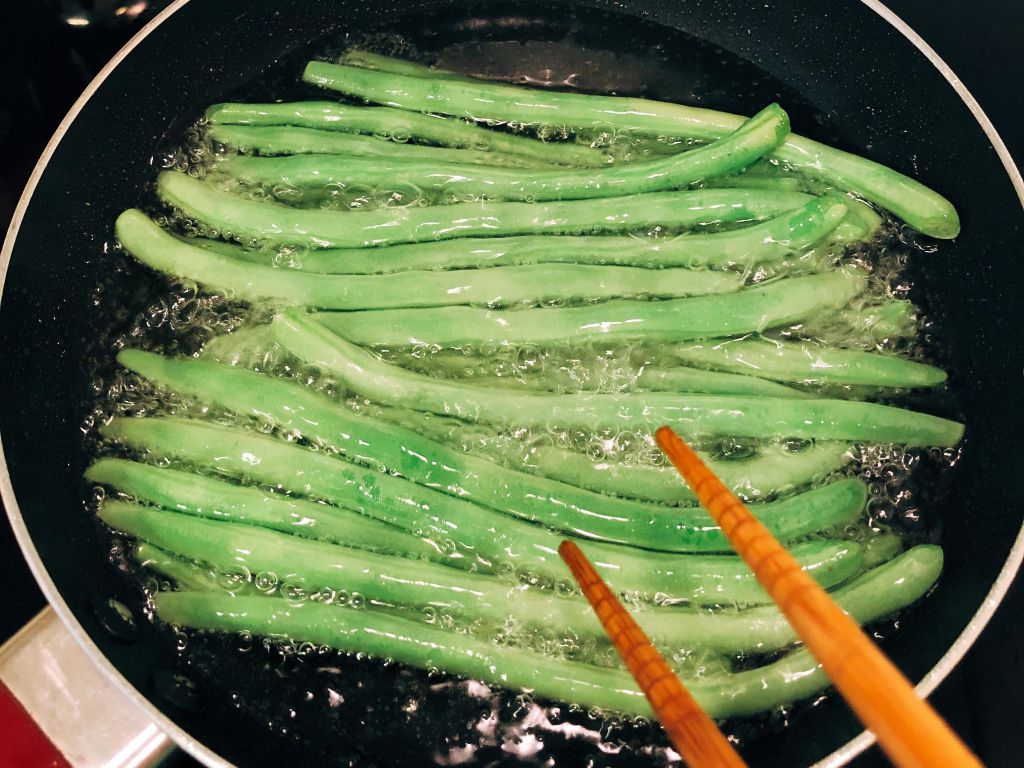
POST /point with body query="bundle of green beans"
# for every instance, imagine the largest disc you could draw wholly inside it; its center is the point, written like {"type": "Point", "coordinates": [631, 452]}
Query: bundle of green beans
{"type": "Point", "coordinates": [404, 251]}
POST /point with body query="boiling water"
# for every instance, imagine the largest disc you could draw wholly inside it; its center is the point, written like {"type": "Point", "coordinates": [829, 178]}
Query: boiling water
{"type": "Point", "coordinates": [347, 710]}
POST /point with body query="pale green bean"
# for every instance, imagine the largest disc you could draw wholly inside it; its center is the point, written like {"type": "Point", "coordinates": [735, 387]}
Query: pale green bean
{"type": "Point", "coordinates": [238, 217]}
{"type": "Point", "coordinates": [505, 286]}
{"type": "Point", "coordinates": [400, 125]}
{"type": "Point", "coordinates": [693, 414]}
{"type": "Point", "coordinates": [765, 305]}
{"type": "Point", "coordinates": [765, 243]}
{"type": "Point", "coordinates": [322, 147]}
{"type": "Point", "coordinates": [795, 676]}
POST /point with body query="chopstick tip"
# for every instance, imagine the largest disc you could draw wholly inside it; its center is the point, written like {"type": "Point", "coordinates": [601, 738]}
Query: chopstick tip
{"type": "Point", "coordinates": [567, 549]}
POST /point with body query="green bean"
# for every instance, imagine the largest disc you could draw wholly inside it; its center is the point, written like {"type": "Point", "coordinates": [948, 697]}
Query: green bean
{"type": "Point", "coordinates": [765, 305]}
{"type": "Point", "coordinates": [768, 242]}
{"type": "Point", "coordinates": [211, 498]}
{"type": "Point", "coordinates": [153, 246]}
{"type": "Point", "coordinates": [795, 676]}
{"type": "Point", "coordinates": [805, 362]}
{"type": "Point", "coordinates": [922, 208]}
{"type": "Point", "coordinates": [370, 442]}
{"type": "Point", "coordinates": [681, 379]}
{"type": "Point", "coordinates": [449, 530]}
{"type": "Point", "coordinates": [885, 589]}
{"type": "Point", "coordinates": [772, 471]}
{"type": "Point", "coordinates": [450, 174]}
{"type": "Point", "coordinates": [694, 414]}
{"type": "Point", "coordinates": [359, 229]}
{"type": "Point", "coordinates": [306, 146]}
{"type": "Point", "coordinates": [400, 125]}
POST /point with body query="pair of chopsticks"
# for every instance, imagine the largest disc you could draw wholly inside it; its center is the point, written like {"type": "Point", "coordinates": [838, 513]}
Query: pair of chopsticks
{"type": "Point", "coordinates": [909, 731]}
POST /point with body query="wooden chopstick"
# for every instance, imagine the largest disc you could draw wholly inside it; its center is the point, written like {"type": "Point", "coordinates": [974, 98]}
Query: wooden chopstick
{"type": "Point", "coordinates": [908, 729]}
{"type": "Point", "coordinates": [692, 732]}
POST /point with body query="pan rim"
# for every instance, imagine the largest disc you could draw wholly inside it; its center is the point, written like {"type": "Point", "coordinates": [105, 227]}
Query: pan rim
{"type": "Point", "coordinates": [205, 754]}
{"type": "Point", "coordinates": [182, 738]}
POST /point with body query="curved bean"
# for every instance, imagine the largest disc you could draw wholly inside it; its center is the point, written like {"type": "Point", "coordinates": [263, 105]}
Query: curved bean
{"type": "Point", "coordinates": [765, 305]}
{"type": "Point", "coordinates": [449, 172]}
{"type": "Point", "coordinates": [153, 246]}
{"type": "Point", "coordinates": [359, 229]}
{"type": "Point", "coordinates": [768, 242]}
{"type": "Point", "coordinates": [399, 125]}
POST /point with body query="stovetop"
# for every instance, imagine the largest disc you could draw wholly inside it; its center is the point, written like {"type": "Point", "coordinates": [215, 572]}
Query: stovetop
{"type": "Point", "coordinates": [51, 49]}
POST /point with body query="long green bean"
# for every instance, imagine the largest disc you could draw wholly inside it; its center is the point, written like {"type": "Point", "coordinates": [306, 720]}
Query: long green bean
{"type": "Point", "coordinates": [919, 206]}
{"type": "Point", "coordinates": [424, 461]}
{"type": "Point", "coordinates": [153, 246]}
{"type": "Point", "coordinates": [753, 139]}
{"type": "Point", "coordinates": [766, 305]}
{"type": "Point", "coordinates": [449, 530]}
{"type": "Point", "coordinates": [693, 414]}
{"type": "Point", "coordinates": [359, 229]}
{"type": "Point", "coordinates": [400, 125]}
{"type": "Point", "coordinates": [774, 470]}
{"type": "Point", "coordinates": [795, 676]}
{"type": "Point", "coordinates": [768, 242]}
{"type": "Point", "coordinates": [888, 587]}
{"type": "Point", "coordinates": [809, 363]}
{"type": "Point", "coordinates": [308, 147]}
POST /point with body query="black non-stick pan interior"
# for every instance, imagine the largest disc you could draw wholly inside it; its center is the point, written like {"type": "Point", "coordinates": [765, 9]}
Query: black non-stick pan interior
{"type": "Point", "coordinates": [846, 77]}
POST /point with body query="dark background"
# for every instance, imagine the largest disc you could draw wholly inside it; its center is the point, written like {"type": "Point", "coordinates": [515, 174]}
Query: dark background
{"type": "Point", "coordinates": [47, 56]}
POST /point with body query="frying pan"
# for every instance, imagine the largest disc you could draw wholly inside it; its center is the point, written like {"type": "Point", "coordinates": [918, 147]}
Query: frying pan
{"type": "Point", "coordinates": [853, 75]}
